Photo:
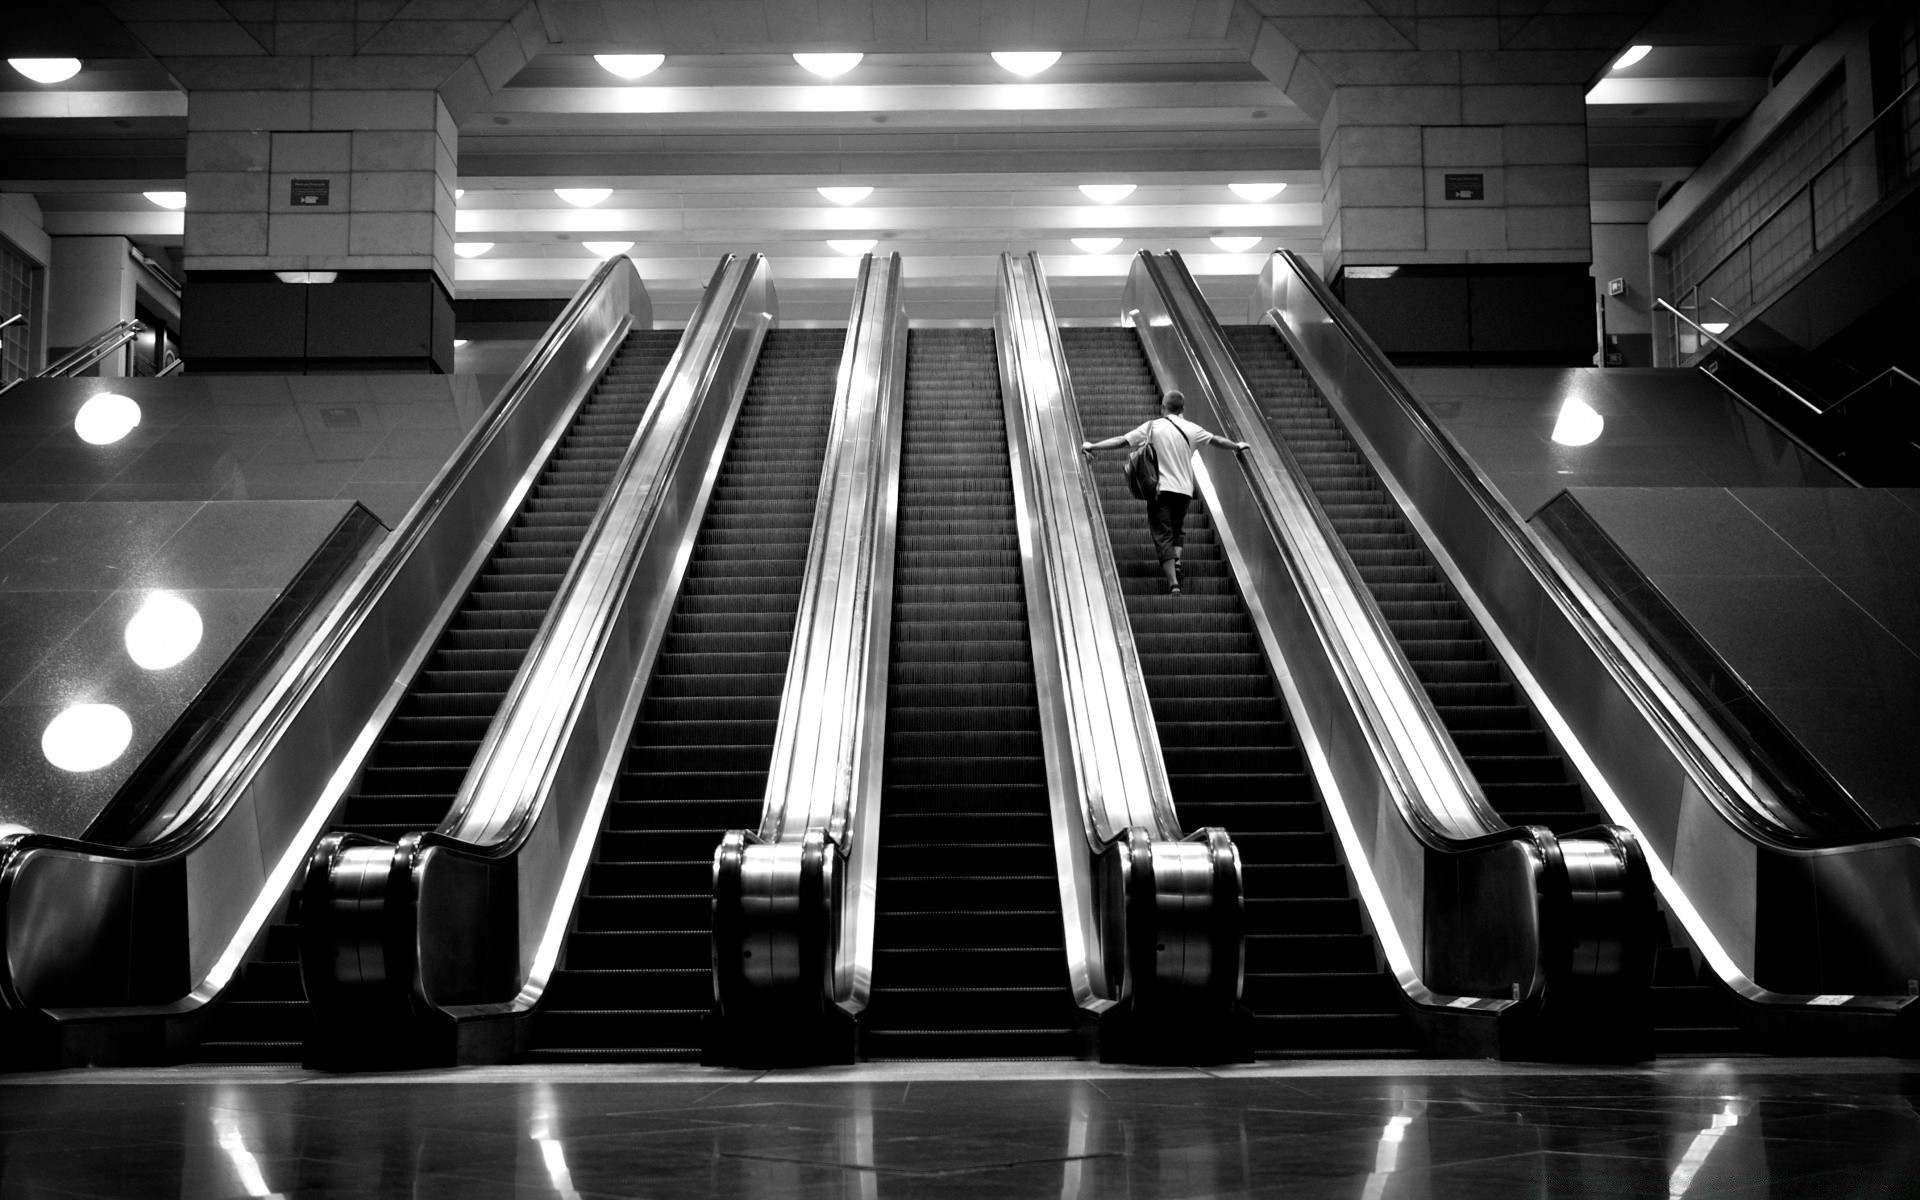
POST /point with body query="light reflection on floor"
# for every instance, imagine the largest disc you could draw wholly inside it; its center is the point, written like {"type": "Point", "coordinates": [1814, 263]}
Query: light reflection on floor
{"type": "Point", "coordinates": [1751, 1128]}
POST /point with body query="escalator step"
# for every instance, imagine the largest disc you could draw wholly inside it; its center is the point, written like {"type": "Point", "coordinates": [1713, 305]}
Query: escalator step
{"type": "Point", "coordinates": [1314, 977]}
{"type": "Point", "coordinates": [635, 982]}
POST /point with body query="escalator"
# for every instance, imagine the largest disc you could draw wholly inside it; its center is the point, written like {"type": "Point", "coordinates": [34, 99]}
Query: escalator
{"type": "Point", "coordinates": [635, 981]}
{"type": "Point", "coordinates": [969, 957]}
{"type": "Point", "coordinates": [415, 769]}
{"type": "Point", "coordinates": [1313, 977]}
{"type": "Point", "coordinates": [1515, 762]}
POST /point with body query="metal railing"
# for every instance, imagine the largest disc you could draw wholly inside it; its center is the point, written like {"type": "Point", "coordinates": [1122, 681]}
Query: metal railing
{"type": "Point", "coordinates": [1815, 935]}
{"type": "Point", "coordinates": [1855, 178]}
{"type": "Point", "coordinates": [1154, 918]}
{"type": "Point", "coordinates": [793, 910]}
{"type": "Point", "coordinates": [471, 915]}
{"type": "Point", "coordinates": [1416, 828]}
{"type": "Point", "coordinates": [115, 953]}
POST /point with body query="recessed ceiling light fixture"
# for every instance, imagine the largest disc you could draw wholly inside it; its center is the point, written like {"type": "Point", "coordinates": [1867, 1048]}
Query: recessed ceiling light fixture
{"type": "Point", "coordinates": [607, 249]}
{"type": "Point", "coordinates": [1254, 193]}
{"type": "Point", "coordinates": [86, 737]}
{"type": "Point", "coordinates": [106, 418]}
{"type": "Point", "coordinates": [46, 70]}
{"type": "Point", "coordinates": [1026, 63]}
{"type": "Point", "coordinates": [1107, 193]}
{"type": "Point", "coordinates": [459, 342]}
{"type": "Point", "coordinates": [852, 246]}
{"type": "Point", "coordinates": [174, 200]}
{"type": "Point", "coordinates": [630, 66]}
{"type": "Point", "coordinates": [845, 195]}
{"type": "Point", "coordinates": [583, 197]}
{"type": "Point", "coordinates": [459, 192]}
{"type": "Point", "coordinates": [1096, 245]}
{"type": "Point", "coordinates": [1633, 55]}
{"type": "Point", "coordinates": [1715, 327]}
{"type": "Point", "coordinates": [1578, 424]}
{"type": "Point", "coordinates": [306, 276]}
{"type": "Point", "coordinates": [471, 249]}
{"type": "Point", "coordinates": [164, 633]}
{"type": "Point", "coordinates": [829, 66]}
{"type": "Point", "coordinates": [1235, 244]}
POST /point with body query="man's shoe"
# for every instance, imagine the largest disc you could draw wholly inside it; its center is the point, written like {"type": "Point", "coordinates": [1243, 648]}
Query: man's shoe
{"type": "Point", "coordinates": [1174, 590]}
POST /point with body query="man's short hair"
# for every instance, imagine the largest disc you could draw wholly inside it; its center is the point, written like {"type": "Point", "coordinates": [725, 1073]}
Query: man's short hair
{"type": "Point", "coordinates": [1174, 402]}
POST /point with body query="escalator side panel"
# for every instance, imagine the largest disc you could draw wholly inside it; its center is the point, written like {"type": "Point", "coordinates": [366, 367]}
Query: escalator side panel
{"type": "Point", "coordinates": [416, 767]}
{"type": "Point", "coordinates": [1314, 980]}
{"type": "Point", "coordinates": [1522, 773]}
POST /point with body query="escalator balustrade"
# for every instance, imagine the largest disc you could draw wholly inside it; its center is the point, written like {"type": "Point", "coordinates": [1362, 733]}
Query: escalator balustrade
{"type": "Point", "coordinates": [636, 981]}
{"type": "Point", "coordinates": [415, 769]}
{"type": "Point", "coordinates": [1314, 982]}
{"type": "Point", "coordinates": [1520, 770]}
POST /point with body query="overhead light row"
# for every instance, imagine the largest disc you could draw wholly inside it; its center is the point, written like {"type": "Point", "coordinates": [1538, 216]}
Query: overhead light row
{"type": "Point", "coordinates": [1232, 244]}
{"type": "Point", "coordinates": [1102, 193]}
{"type": "Point", "coordinates": [1024, 63]}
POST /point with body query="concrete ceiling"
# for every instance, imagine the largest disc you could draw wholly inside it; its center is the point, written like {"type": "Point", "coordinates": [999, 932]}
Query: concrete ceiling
{"type": "Point", "coordinates": [723, 147]}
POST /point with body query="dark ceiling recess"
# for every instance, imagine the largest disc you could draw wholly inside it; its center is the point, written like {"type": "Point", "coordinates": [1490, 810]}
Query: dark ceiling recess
{"type": "Point", "coordinates": [64, 29]}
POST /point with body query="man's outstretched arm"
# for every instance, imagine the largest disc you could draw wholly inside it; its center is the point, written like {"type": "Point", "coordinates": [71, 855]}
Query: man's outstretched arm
{"type": "Point", "coordinates": [1103, 444]}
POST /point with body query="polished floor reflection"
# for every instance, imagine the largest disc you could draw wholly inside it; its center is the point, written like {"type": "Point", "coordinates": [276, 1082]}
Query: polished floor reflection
{"type": "Point", "coordinates": [1749, 1128]}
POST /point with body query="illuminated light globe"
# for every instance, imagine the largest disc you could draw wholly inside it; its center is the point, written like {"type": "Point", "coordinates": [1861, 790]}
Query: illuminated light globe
{"type": "Point", "coordinates": [1025, 63]}
{"type": "Point", "coordinates": [583, 197]}
{"type": "Point", "coordinates": [829, 66]}
{"type": "Point", "coordinates": [1578, 424]}
{"type": "Point", "coordinates": [1235, 244]}
{"type": "Point", "coordinates": [852, 247]}
{"type": "Point", "coordinates": [106, 418]}
{"type": "Point", "coordinates": [471, 249]}
{"type": "Point", "coordinates": [607, 249]}
{"type": "Point", "coordinates": [1254, 193]}
{"type": "Point", "coordinates": [1107, 193]}
{"type": "Point", "coordinates": [1633, 55]}
{"type": "Point", "coordinates": [164, 632]}
{"type": "Point", "coordinates": [845, 195]}
{"type": "Point", "coordinates": [46, 70]}
{"type": "Point", "coordinates": [86, 737]}
{"type": "Point", "coordinates": [630, 66]}
{"type": "Point", "coordinates": [171, 200]}
{"type": "Point", "coordinates": [1096, 245]}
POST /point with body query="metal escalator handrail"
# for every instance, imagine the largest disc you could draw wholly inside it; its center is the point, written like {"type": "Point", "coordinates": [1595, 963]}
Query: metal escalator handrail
{"type": "Point", "coordinates": [285, 752]}
{"type": "Point", "coordinates": [793, 900]}
{"type": "Point", "coordinates": [93, 350]}
{"type": "Point", "coordinates": [1118, 773]}
{"type": "Point", "coordinates": [1759, 370]}
{"type": "Point", "coordinates": [1712, 769]}
{"type": "Point", "coordinates": [15, 319]}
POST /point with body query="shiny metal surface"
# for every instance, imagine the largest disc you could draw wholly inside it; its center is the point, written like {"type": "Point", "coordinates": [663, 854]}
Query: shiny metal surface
{"type": "Point", "coordinates": [1821, 940]}
{"type": "Point", "coordinates": [198, 891]}
{"type": "Point", "coordinates": [1471, 912]}
{"type": "Point", "coordinates": [114, 337]}
{"type": "Point", "coordinates": [490, 891]}
{"type": "Point", "coordinates": [817, 837]}
{"type": "Point", "coordinates": [1148, 924]}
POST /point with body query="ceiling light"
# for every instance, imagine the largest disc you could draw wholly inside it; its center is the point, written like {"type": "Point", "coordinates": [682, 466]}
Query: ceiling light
{"type": "Point", "coordinates": [829, 66]}
{"type": "Point", "coordinates": [164, 632]}
{"type": "Point", "coordinates": [845, 195]}
{"type": "Point", "coordinates": [1096, 245]}
{"type": "Point", "coordinates": [1578, 423]}
{"type": "Point", "coordinates": [1107, 193]}
{"type": "Point", "coordinates": [1714, 327]}
{"type": "Point", "coordinates": [607, 249]}
{"type": "Point", "coordinates": [1235, 244]}
{"type": "Point", "coordinates": [471, 249]}
{"type": "Point", "coordinates": [174, 200]}
{"type": "Point", "coordinates": [1256, 192]}
{"type": "Point", "coordinates": [852, 246]}
{"type": "Point", "coordinates": [1025, 63]}
{"type": "Point", "coordinates": [106, 418]}
{"type": "Point", "coordinates": [459, 192]}
{"type": "Point", "coordinates": [1633, 55]}
{"type": "Point", "coordinates": [46, 70]}
{"type": "Point", "coordinates": [459, 342]}
{"type": "Point", "coordinates": [86, 737]}
{"type": "Point", "coordinates": [630, 66]}
{"type": "Point", "coordinates": [306, 276]}
{"type": "Point", "coordinates": [583, 197]}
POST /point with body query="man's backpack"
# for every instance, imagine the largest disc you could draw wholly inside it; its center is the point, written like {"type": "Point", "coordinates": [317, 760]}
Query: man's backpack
{"type": "Point", "coordinates": [1143, 468]}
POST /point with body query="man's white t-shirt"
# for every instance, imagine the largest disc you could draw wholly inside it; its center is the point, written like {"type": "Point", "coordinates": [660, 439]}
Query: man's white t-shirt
{"type": "Point", "coordinates": [1174, 452]}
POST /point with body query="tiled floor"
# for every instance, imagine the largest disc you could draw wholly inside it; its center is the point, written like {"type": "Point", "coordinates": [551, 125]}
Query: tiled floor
{"type": "Point", "coordinates": [1368, 1131]}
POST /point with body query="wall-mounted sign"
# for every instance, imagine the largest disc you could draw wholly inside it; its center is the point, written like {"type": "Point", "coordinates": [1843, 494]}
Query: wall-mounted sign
{"type": "Point", "coordinates": [312, 193]}
{"type": "Point", "coordinates": [1462, 187]}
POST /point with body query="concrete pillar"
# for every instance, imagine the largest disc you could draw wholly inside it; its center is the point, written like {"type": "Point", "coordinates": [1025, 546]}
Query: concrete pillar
{"type": "Point", "coordinates": [90, 287]}
{"type": "Point", "coordinates": [352, 187]}
{"type": "Point", "coordinates": [1454, 158]}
